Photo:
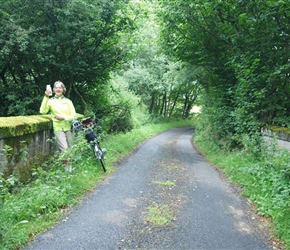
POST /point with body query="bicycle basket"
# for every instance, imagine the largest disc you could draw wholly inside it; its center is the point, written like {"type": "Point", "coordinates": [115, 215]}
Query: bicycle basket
{"type": "Point", "coordinates": [90, 136]}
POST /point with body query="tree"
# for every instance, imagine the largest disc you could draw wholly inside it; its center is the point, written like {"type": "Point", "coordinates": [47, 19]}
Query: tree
{"type": "Point", "coordinates": [243, 47]}
{"type": "Point", "coordinates": [149, 72]}
{"type": "Point", "coordinates": [76, 41]}
{"type": "Point", "coordinates": [183, 88]}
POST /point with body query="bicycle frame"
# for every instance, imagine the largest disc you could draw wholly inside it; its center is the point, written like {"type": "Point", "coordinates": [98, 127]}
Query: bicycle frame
{"type": "Point", "coordinates": [92, 138]}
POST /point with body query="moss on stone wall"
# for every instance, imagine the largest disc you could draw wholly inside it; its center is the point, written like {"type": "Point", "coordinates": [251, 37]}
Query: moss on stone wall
{"type": "Point", "coordinates": [277, 129]}
{"type": "Point", "coordinates": [21, 125]}
{"type": "Point", "coordinates": [281, 133]}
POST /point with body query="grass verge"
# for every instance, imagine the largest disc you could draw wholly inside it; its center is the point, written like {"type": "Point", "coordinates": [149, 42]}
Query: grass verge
{"type": "Point", "coordinates": [28, 209]}
{"type": "Point", "coordinates": [264, 178]}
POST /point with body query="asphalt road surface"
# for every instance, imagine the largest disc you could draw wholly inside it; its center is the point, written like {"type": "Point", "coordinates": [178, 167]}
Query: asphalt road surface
{"type": "Point", "coordinates": [165, 195]}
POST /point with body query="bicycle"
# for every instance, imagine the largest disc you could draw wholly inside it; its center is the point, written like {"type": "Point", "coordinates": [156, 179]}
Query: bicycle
{"type": "Point", "coordinates": [89, 125]}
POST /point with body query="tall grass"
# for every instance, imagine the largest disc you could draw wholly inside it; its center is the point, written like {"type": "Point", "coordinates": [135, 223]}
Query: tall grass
{"type": "Point", "coordinates": [26, 210]}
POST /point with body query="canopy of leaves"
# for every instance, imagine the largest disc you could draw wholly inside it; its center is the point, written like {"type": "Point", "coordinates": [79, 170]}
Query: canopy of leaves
{"type": "Point", "coordinates": [243, 47]}
{"type": "Point", "coordinates": [168, 88]}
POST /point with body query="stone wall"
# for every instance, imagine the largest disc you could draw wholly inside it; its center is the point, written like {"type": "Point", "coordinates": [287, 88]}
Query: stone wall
{"type": "Point", "coordinates": [24, 140]}
{"type": "Point", "coordinates": [281, 137]}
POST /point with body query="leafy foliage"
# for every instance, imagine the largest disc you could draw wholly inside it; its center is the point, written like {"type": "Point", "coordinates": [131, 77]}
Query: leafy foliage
{"type": "Point", "coordinates": [167, 87]}
{"type": "Point", "coordinates": [244, 50]}
{"type": "Point", "coordinates": [74, 41]}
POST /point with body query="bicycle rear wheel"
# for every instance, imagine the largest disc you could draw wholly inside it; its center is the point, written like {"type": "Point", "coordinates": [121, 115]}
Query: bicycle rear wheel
{"type": "Point", "coordinates": [99, 155]}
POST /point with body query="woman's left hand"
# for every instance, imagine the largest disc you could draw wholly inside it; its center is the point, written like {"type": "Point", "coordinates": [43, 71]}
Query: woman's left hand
{"type": "Point", "coordinates": [59, 117]}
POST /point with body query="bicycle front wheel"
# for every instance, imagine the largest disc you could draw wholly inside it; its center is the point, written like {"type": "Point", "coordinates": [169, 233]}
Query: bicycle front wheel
{"type": "Point", "coordinates": [99, 155]}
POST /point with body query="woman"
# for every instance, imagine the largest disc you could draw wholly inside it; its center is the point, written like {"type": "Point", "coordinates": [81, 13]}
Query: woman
{"type": "Point", "coordinates": [63, 112]}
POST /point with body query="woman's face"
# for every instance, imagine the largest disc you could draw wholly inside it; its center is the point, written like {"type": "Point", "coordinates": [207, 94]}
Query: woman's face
{"type": "Point", "coordinates": [58, 90]}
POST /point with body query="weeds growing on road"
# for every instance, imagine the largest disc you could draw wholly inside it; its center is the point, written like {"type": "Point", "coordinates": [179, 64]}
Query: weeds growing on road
{"type": "Point", "coordinates": [165, 183]}
{"type": "Point", "coordinates": [264, 175]}
{"type": "Point", "coordinates": [26, 210]}
{"type": "Point", "coordinates": [160, 215]}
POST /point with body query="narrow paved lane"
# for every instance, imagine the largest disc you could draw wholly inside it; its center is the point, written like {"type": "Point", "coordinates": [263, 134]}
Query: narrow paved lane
{"type": "Point", "coordinates": [166, 176]}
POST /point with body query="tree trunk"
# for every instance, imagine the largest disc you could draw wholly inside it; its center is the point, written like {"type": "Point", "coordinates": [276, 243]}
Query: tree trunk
{"type": "Point", "coordinates": [173, 106]}
{"type": "Point", "coordinates": [162, 104]}
{"type": "Point", "coordinates": [152, 103]}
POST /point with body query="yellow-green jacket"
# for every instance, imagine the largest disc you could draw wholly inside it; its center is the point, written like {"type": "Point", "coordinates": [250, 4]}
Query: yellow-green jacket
{"type": "Point", "coordinates": [59, 106]}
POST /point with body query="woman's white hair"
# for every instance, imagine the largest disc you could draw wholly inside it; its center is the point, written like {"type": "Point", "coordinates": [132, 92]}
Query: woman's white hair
{"type": "Point", "coordinates": [61, 84]}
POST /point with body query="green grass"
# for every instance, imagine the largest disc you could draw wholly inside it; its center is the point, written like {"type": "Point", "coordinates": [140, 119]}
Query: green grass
{"type": "Point", "coordinates": [165, 183]}
{"type": "Point", "coordinates": [160, 215]}
{"type": "Point", "coordinates": [28, 209]}
{"type": "Point", "coordinates": [264, 178]}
